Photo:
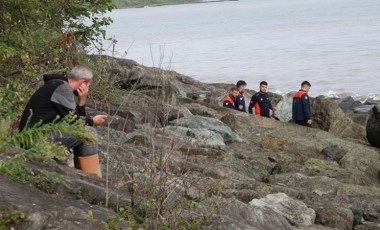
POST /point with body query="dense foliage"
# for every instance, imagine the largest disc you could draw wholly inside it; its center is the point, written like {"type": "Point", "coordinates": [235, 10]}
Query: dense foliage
{"type": "Point", "coordinates": [42, 35]}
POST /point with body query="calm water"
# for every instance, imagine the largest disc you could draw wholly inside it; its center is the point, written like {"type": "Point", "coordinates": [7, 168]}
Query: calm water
{"type": "Point", "coordinates": [335, 44]}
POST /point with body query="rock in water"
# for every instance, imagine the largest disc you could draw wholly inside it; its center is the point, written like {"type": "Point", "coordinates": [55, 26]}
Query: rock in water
{"type": "Point", "coordinates": [373, 127]}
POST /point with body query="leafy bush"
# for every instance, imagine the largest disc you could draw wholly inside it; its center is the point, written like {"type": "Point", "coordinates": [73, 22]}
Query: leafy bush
{"type": "Point", "coordinates": [35, 139]}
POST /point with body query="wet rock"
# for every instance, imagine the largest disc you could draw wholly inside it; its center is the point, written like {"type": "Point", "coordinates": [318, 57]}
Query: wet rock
{"type": "Point", "coordinates": [235, 214]}
{"type": "Point", "coordinates": [348, 104]}
{"type": "Point", "coordinates": [373, 127]}
{"type": "Point", "coordinates": [363, 109]}
{"type": "Point", "coordinates": [295, 211]}
{"type": "Point", "coordinates": [333, 153]}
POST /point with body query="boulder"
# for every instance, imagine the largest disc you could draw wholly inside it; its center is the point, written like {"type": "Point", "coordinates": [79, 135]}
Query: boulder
{"type": "Point", "coordinates": [120, 123]}
{"type": "Point", "coordinates": [274, 98]}
{"type": "Point", "coordinates": [333, 153]}
{"type": "Point", "coordinates": [373, 127]}
{"type": "Point", "coordinates": [339, 217]}
{"type": "Point", "coordinates": [283, 109]}
{"type": "Point", "coordinates": [363, 109]}
{"type": "Point", "coordinates": [196, 137]}
{"type": "Point", "coordinates": [354, 109]}
{"type": "Point", "coordinates": [49, 212]}
{"type": "Point", "coordinates": [358, 160]}
{"type": "Point", "coordinates": [329, 117]}
{"type": "Point", "coordinates": [348, 104]}
{"type": "Point", "coordinates": [235, 214]}
{"type": "Point", "coordinates": [295, 211]}
{"type": "Point", "coordinates": [211, 124]}
{"type": "Point", "coordinates": [319, 185]}
{"type": "Point", "coordinates": [201, 110]}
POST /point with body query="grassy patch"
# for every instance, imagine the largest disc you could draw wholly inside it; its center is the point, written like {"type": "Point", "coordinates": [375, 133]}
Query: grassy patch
{"type": "Point", "coordinates": [12, 219]}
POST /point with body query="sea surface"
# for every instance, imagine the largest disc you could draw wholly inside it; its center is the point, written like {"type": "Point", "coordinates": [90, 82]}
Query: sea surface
{"type": "Point", "coordinates": [334, 44]}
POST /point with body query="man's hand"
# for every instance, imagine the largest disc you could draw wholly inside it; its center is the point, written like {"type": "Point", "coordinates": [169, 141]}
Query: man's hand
{"type": "Point", "coordinates": [240, 107]}
{"type": "Point", "coordinates": [83, 91]}
{"type": "Point", "coordinates": [309, 122]}
{"type": "Point", "coordinates": [270, 113]}
{"type": "Point", "coordinates": [99, 119]}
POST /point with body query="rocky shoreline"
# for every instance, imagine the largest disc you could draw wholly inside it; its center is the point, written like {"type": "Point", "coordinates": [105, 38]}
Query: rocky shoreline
{"type": "Point", "coordinates": [238, 170]}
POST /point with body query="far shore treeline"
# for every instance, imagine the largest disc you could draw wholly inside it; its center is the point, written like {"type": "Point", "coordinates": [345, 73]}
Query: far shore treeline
{"type": "Point", "coordinates": [142, 3]}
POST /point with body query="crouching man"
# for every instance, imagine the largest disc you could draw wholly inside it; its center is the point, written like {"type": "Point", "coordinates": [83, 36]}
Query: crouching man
{"type": "Point", "coordinates": [56, 99]}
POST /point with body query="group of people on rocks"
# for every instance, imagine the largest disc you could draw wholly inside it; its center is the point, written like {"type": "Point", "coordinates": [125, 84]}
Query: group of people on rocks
{"type": "Point", "coordinates": [260, 102]}
{"type": "Point", "coordinates": [62, 95]}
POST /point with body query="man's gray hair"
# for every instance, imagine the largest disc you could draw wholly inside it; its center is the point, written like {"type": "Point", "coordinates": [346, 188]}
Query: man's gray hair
{"type": "Point", "coordinates": [81, 72]}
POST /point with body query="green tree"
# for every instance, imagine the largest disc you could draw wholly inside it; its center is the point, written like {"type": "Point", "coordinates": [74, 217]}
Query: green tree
{"type": "Point", "coordinates": [38, 36]}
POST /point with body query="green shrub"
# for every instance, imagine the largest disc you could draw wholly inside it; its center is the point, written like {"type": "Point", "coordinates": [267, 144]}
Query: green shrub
{"type": "Point", "coordinates": [10, 219]}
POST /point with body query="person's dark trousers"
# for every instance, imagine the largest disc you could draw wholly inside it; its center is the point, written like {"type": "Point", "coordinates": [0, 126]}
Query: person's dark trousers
{"type": "Point", "coordinates": [303, 123]}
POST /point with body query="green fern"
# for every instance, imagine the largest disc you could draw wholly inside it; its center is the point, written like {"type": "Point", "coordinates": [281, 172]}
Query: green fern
{"type": "Point", "coordinates": [35, 140]}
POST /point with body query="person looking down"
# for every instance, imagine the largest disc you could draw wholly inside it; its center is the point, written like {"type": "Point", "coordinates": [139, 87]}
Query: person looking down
{"type": "Point", "coordinates": [55, 100]}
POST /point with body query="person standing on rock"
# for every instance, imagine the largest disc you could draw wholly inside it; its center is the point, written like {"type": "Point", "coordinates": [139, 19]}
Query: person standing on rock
{"type": "Point", "coordinates": [229, 100]}
{"type": "Point", "coordinates": [56, 99]}
{"type": "Point", "coordinates": [301, 112]}
{"type": "Point", "coordinates": [260, 101]}
{"type": "Point", "coordinates": [239, 101]}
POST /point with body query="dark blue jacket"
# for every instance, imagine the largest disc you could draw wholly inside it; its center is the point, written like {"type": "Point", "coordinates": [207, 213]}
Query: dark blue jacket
{"type": "Point", "coordinates": [240, 101]}
{"type": "Point", "coordinates": [301, 106]}
{"type": "Point", "coordinates": [260, 101]}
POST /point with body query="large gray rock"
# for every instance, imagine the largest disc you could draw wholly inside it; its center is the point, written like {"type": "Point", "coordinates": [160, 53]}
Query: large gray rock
{"type": "Point", "coordinates": [337, 217]}
{"type": "Point", "coordinates": [333, 153]}
{"type": "Point", "coordinates": [320, 185]}
{"type": "Point", "coordinates": [201, 110]}
{"type": "Point", "coordinates": [295, 211]}
{"type": "Point", "coordinates": [348, 104]}
{"type": "Point", "coordinates": [328, 116]}
{"type": "Point", "coordinates": [373, 127]}
{"type": "Point", "coordinates": [49, 211]}
{"type": "Point", "coordinates": [235, 214]}
{"type": "Point", "coordinates": [197, 137]}
{"type": "Point", "coordinates": [283, 109]}
{"type": "Point", "coordinates": [212, 124]}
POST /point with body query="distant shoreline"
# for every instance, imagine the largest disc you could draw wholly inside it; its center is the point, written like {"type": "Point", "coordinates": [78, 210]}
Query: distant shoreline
{"type": "Point", "coordinates": [179, 3]}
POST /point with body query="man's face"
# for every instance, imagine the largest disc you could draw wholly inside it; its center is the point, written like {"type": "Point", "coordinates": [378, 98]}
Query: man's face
{"type": "Point", "coordinates": [85, 83]}
{"type": "Point", "coordinates": [242, 88]}
{"type": "Point", "coordinates": [235, 93]}
{"type": "Point", "coordinates": [306, 88]}
{"type": "Point", "coordinates": [263, 88]}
